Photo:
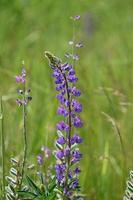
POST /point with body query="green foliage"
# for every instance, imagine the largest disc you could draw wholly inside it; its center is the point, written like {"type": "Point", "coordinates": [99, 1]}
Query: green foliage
{"type": "Point", "coordinates": [39, 193]}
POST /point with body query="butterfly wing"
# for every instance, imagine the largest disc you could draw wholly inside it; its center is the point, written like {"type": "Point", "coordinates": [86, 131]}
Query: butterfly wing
{"type": "Point", "coordinates": [53, 60]}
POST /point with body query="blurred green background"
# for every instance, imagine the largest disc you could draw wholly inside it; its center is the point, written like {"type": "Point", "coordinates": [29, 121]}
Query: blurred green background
{"type": "Point", "coordinates": [105, 71]}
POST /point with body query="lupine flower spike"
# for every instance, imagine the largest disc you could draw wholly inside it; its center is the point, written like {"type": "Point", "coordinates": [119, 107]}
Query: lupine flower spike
{"type": "Point", "coordinates": [23, 100]}
{"type": "Point", "coordinates": [67, 154]}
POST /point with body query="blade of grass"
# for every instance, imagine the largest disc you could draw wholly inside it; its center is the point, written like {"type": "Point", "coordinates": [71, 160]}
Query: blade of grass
{"type": "Point", "coordinates": [115, 124]}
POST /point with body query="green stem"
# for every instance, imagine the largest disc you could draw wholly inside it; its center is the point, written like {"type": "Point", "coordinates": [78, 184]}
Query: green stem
{"type": "Point", "coordinates": [2, 148]}
{"type": "Point", "coordinates": [24, 135]}
{"type": "Point", "coordinates": [73, 46]}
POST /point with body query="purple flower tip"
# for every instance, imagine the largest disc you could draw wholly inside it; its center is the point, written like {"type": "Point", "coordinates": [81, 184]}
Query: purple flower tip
{"type": "Point", "coordinates": [20, 79]}
{"type": "Point", "coordinates": [46, 150]}
{"type": "Point", "coordinates": [40, 159]}
{"type": "Point", "coordinates": [77, 17]}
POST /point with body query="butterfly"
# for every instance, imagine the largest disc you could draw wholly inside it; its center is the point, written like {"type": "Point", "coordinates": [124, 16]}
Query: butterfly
{"type": "Point", "coordinates": [53, 60]}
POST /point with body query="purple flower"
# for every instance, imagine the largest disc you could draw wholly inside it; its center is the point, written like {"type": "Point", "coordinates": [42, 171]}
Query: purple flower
{"type": "Point", "coordinates": [66, 67]}
{"type": "Point", "coordinates": [18, 78]}
{"type": "Point", "coordinates": [77, 170]}
{"type": "Point", "coordinates": [77, 122]}
{"type": "Point", "coordinates": [72, 78]}
{"type": "Point", "coordinates": [70, 174]}
{"type": "Point", "coordinates": [23, 72]}
{"type": "Point", "coordinates": [76, 139]}
{"type": "Point", "coordinates": [58, 81]}
{"type": "Point", "coordinates": [46, 150]}
{"type": "Point", "coordinates": [40, 159]}
{"type": "Point", "coordinates": [60, 172]}
{"type": "Point", "coordinates": [24, 96]}
{"type": "Point", "coordinates": [60, 87]}
{"type": "Point", "coordinates": [60, 154]}
{"type": "Point", "coordinates": [19, 102]}
{"type": "Point", "coordinates": [67, 103]}
{"type": "Point", "coordinates": [75, 57]}
{"type": "Point", "coordinates": [56, 74]}
{"type": "Point", "coordinates": [77, 17]}
{"type": "Point", "coordinates": [77, 154]}
{"type": "Point", "coordinates": [62, 111]}
{"type": "Point", "coordinates": [75, 184]}
{"type": "Point", "coordinates": [67, 151]}
{"type": "Point", "coordinates": [61, 140]}
{"type": "Point", "coordinates": [21, 78]}
{"type": "Point", "coordinates": [62, 126]}
{"type": "Point", "coordinates": [67, 192]}
{"type": "Point", "coordinates": [76, 92]}
{"type": "Point", "coordinates": [61, 98]}
{"type": "Point", "coordinates": [72, 72]}
{"type": "Point", "coordinates": [77, 106]}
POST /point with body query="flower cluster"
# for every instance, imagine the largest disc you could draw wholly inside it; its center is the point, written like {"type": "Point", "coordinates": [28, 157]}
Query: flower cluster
{"type": "Point", "coordinates": [24, 95]}
{"type": "Point", "coordinates": [67, 153]}
{"type": "Point", "coordinates": [46, 152]}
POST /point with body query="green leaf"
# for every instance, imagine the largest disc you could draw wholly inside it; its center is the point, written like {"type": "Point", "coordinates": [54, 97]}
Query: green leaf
{"type": "Point", "coordinates": [33, 186]}
{"type": "Point", "coordinates": [52, 196]}
{"type": "Point", "coordinates": [27, 194]}
{"type": "Point", "coordinates": [51, 185]}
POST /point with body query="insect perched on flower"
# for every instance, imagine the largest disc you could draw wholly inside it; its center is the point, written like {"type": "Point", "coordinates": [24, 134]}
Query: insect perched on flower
{"type": "Point", "coordinates": [53, 60]}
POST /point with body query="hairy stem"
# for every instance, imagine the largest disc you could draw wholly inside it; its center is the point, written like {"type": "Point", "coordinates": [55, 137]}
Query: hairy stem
{"type": "Point", "coordinates": [73, 39]}
{"type": "Point", "coordinates": [2, 148]}
{"type": "Point", "coordinates": [24, 135]}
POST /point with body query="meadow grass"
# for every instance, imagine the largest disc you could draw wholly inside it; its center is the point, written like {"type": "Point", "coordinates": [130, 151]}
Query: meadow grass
{"type": "Point", "coordinates": [27, 28]}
